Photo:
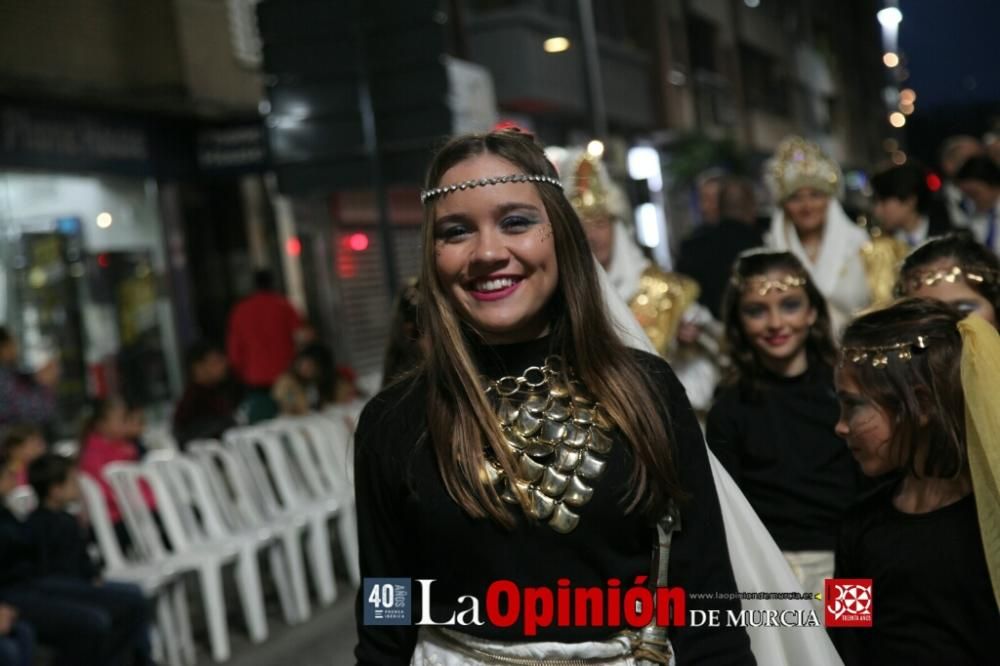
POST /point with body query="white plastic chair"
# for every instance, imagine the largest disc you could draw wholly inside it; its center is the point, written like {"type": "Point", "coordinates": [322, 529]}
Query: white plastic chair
{"type": "Point", "coordinates": [21, 501]}
{"type": "Point", "coordinates": [160, 583]}
{"type": "Point", "coordinates": [202, 529]}
{"type": "Point", "coordinates": [242, 512]}
{"type": "Point", "coordinates": [207, 562]}
{"type": "Point", "coordinates": [67, 448]}
{"type": "Point", "coordinates": [263, 451]}
{"type": "Point", "coordinates": [349, 412]}
{"type": "Point", "coordinates": [159, 438]}
{"type": "Point", "coordinates": [331, 443]}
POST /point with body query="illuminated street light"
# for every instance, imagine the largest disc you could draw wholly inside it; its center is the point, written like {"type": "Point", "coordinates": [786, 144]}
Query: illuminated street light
{"type": "Point", "coordinates": [555, 44]}
{"type": "Point", "coordinates": [890, 17]}
{"type": "Point", "coordinates": [907, 96]}
{"type": "Point", "coordinates": [595, 148]}
{"type": "Point", "coordinates": [897, 119]}
{"type": "Point", "coordinates": [890, 59]}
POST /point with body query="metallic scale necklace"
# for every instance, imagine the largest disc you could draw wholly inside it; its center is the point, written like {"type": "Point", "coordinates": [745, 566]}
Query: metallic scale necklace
{"type": "Point", "coordinates": [560, 437]}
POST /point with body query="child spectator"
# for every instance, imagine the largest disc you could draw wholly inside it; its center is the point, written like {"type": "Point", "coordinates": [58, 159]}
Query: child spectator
{"type": "Point", "coordinates": [104, 440]}
{"type": "Point", "coordinates": [62, 549]}
{"type": "Point", "coordinates": [208, 406]}
{"type": "Point", "coordinates": [83, 623]}
{"type": "Point", "coordinates": [23, 443]}
{"type": "Point", "coordinates": [16, 638]}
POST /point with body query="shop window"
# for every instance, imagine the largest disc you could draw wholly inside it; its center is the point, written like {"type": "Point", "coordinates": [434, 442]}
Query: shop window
{"type": "Point", "coordinates": [84, 264]}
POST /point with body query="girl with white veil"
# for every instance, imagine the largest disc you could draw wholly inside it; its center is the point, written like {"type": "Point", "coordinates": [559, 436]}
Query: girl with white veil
{"type": "Point", "coordinates": [850, 269]}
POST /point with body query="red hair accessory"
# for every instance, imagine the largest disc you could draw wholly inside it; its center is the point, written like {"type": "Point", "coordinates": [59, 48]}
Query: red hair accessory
{"type": "Point", "coordinates": [511, 126]}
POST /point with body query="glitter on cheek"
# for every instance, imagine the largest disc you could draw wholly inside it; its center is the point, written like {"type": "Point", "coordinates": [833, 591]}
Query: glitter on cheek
{"type": "Point", "coordinates": [545, 231]}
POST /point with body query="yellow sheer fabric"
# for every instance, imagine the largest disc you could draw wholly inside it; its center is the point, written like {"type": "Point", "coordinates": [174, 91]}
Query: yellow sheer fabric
{"type": "Point", "coordinates": [981, 384]}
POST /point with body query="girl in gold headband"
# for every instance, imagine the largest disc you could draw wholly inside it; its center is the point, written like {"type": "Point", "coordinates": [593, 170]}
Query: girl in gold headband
{"type": "Point", "coordinates": [916, 385]}
{"type": "Point", "coordinates": [772, 426]}
{"type": "Point", "coordinates": [957, 270]}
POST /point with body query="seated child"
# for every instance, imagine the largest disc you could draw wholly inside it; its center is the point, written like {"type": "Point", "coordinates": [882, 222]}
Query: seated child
{"type": "Point", "coordinates": [57, 534]}
{"type": "Point", "coordinates": [104, 440]}
{"type": "Point", "coordinates": [81, 622]}
{"type": "Point", "coordinates": [23, 443]}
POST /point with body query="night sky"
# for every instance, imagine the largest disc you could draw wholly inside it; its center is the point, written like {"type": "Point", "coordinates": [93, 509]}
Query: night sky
{"type": "Point", "coordinates": [952, 49]}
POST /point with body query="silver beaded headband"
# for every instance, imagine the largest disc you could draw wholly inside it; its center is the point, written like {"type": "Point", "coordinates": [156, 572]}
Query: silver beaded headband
{"type": "Point", "coordinates": [427, 195]}
{"type": "Point", "coordinates": [879, 356]}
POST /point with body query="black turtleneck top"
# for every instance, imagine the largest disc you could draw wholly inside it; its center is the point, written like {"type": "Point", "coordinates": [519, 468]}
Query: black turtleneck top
{"type": "Point", "coordinates": [777, 442]}
{"type": "Point", "coordinates": [932, 601]}
{"type": "Point", "coordinates": [408, 526]}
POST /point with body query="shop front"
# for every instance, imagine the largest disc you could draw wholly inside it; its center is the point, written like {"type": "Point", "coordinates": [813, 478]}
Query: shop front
{"type": "Point", "coordinates": [84, 275]}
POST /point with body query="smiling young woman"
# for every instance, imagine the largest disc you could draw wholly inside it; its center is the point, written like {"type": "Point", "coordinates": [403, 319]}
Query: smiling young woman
{"type": "Point", "coordinates": [772, 427]}
{"type": "Point", "coordinates": [531, 445]}
{"type": "Point", "coordinates": [495, 255]}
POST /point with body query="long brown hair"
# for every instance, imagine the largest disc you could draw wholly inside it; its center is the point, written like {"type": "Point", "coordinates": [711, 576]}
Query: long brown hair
{"type": "Point", "coordinates": [922, 395]}
{"type": "Point", "coordinates": [461, 421]}
{"type": "Point", "coordinates": [746, 369]}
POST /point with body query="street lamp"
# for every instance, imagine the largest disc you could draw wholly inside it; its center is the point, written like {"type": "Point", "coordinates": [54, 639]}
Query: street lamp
{"type": "Point", "coordinates": [890, 18]}
{"type": "Point", "coordinates": [555, 45]}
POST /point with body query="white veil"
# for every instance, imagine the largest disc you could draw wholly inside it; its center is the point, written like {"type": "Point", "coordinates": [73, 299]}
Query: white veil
{"type": "Point", "coordinates": [757, 562]}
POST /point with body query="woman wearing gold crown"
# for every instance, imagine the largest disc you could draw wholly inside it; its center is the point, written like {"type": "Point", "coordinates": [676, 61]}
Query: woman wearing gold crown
{"type": "Point", "coordinates": [850, 269]}
{"type": "Point", "coordinates": [661, 302]}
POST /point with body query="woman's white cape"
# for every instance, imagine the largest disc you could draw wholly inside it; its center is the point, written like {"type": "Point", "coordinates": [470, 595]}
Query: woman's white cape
{"type": "Point", "coordinates": [757, 563]}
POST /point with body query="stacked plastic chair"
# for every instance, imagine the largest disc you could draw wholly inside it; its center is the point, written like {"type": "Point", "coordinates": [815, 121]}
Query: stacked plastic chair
{"type": "Point", "coordinates": [161, 581]}
{"type": "Point", "coordinates": [188, 551]}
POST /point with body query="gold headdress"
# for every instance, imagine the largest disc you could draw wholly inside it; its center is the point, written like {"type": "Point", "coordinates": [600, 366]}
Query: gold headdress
{"type": "Point", "coordinates": [799, 163]}
{"type": "Point", "coordinates": [915, 279]}
{"type": "Point", "coordinates": [763, 285]}
{"type": "Point", "coordinates": [590, 189]}
{"type": "Point", "coordinates": [879, 355]}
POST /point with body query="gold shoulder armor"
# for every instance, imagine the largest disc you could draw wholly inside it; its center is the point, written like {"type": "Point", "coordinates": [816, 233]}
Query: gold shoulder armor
{"type": "Point", "coordinates": [660, 303]}
{"type": "Point", "coordinates": [882, 256]}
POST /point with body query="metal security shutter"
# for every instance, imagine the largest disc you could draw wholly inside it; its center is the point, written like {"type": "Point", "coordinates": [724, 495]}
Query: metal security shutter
{"type": "Point", "coordinates": [366, 308]}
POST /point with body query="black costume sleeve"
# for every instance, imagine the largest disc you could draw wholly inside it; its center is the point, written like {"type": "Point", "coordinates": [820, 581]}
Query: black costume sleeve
{"type": "Point", "coordinates": [849, 642]}
{"type": "Point", "coordinates": [699, 556]}
{"type": "Point", "coordinates": [382, 535]}
{"type": "Point", "coordinates": [724, 435]}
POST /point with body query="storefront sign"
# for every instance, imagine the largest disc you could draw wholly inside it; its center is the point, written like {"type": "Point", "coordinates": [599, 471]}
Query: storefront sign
{"type": "Point", "coordinates": [36, 138]}
{"type": "Point", "coordinates": [231, 149]}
